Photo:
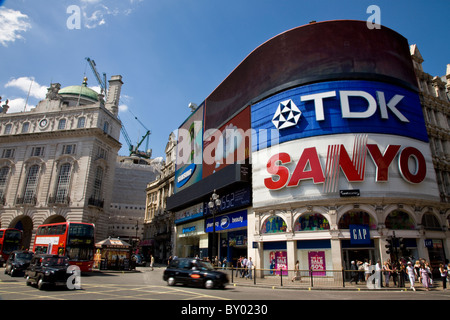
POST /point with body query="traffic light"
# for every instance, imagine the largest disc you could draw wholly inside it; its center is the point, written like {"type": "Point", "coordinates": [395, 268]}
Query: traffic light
{"type": "Point", "coordinates": [402, 245]}
{"type": "Point", "coordinates": [389, 246]}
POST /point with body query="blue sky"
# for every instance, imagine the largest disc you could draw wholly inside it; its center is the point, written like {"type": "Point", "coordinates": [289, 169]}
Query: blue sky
{"type": "Point", "coordinates": [173, 52]}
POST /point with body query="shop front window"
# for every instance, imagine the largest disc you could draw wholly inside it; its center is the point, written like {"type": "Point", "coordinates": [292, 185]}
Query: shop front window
{"type": "Point", "coordinates": [357, 217]}
{"type": "Point", "coordinates": [399, 220]}
{"type": "Point", "coordinates": [311, 221]}
{"type": "Point", "coordinates": [274, 225]}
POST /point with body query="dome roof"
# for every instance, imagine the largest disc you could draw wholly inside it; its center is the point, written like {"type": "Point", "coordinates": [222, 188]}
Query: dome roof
{"type": "Point", "coordinates": [82, 90]}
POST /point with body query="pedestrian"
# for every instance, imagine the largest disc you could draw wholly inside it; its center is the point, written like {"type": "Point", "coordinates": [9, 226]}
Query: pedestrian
{"type": "Point", "coordinates": [444, 273]}
{"type": "Point", "coordinates": [401, 274]}
{"type": "Point", "coordinates": [367, 269]}
{"type": "Point", "coordinates": [249, 268]}
{"type": "Point", "coordinates": [417, 270]}
{"type": "Point", "coordinates": [386, 273]}
{"type": "Point", "coordinates": [411, 275]}
{"type": "Point", "coordinates": [224, 263]}
{"type": "Point", "coordinates": [238, 265]}
{"type": "Point", "coordinates": [297, 272]}
{"type": "Point", "coordinates": [354, 272]}
{"type": "Point", "coordinates": [152, 261]}
{"type": "Point", "coordinates": [360, 271]}
{"type": "Point", "coordinates": [425, 277]}
{"type": "Point", "coordinates": [244, 267]}
{"type": "Point", "coordinates": [394, 269]}
{"type": "Point", "coordinates": [430, 274]}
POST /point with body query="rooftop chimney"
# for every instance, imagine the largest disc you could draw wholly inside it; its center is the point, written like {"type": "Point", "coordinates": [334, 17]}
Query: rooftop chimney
{"type": "Point", "coordinates": [113, 98]}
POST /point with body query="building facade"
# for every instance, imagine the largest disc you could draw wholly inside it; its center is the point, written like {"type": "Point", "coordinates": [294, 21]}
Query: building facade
{"type": "Point", "coordinates": [158, 224]}
{"type": "Point", "coordinates": [127, 208]}
{"type": "Point", "coordinates": [348, 141]}
{"type": "Point", "coordinates": [58, 160]}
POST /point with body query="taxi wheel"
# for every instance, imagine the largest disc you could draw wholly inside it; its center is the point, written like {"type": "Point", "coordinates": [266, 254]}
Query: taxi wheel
{"type": "Point", "coordinates": [171, 281]}
{"type": "Point", "coordinates": [40, 283]}
{"type": "Point", "coordinates": [209, 284]}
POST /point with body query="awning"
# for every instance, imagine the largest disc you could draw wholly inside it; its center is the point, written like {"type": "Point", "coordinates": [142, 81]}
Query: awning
{"type": "Point", "coordinates": [112, 243]}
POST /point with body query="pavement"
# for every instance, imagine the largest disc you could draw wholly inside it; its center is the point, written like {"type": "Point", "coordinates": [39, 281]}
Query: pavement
{"type": "Point", "coordinates": [277, 282]}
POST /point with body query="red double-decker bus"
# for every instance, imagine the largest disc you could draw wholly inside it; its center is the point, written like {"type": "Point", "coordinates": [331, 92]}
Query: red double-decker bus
{"type": "Point", "coordinates": [74, 239]}
{"type": "Point", "coordinates": [10, 240]}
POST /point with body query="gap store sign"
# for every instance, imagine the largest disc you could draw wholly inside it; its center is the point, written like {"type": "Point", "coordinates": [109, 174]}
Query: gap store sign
{"type": "Point", "coordinates": [340, 135]}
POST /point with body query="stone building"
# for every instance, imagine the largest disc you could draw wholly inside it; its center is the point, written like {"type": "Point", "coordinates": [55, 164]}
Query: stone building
{"type": "Point", "coordinates": [158, 228]}
{"type": "Point", "coordinates": [127, 209]}
{"type": "Point", "coordinates": [434, 92]}
{"type": "Point", "coordinates": [57, 161]}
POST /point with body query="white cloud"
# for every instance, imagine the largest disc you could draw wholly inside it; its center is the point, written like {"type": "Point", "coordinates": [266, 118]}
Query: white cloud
{"type": "Point", "coordinates": [90, 1]}
{"type": "Point", "coordinates": [96, 88]}
{"type": "Point", "coordinates": [123, 108]}
{"type": "Point", "coordinates": [12, 23]}
{"type": "Point", "coordinates": [18, 105]}
{"type": "Point", "coordinates": [24, 84]}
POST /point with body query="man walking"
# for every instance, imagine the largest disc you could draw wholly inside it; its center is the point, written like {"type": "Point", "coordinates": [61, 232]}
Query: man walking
{"type": "Point", "coordinates": [250, 268]}
{"type": "Point", "coordinates": [411, 275]}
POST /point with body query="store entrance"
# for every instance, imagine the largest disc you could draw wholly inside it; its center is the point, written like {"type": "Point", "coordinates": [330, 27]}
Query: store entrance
{"type": "Point", "coordinates": [356, 255]}
{"type": "Point", "coordinates": [235, 253]}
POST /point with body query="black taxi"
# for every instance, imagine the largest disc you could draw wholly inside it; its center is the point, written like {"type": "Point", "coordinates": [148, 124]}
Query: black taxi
{"type": "Point", "coordinates": [47, 270]}
{"type": "Point", "coordinates": [195, 272]}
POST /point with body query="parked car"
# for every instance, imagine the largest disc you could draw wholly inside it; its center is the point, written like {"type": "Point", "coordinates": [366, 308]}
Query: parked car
{"type": "Point", "coordinates": [47, 269]}
{"type": "Point", "coordinates": [18, 262]}
{"type": "Point", "coordinates": [194, 272]}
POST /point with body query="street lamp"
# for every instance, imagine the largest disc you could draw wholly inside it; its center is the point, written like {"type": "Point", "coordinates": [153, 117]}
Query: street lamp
{"type": "Point", "coordinates": [214, 205]}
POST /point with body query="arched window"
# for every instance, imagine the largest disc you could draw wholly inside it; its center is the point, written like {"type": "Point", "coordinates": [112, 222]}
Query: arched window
{"type": "Point", "coordinates": [25, 127]}
{"type": "Point", "coordinates": [29, 193]}
{"type": "Point", "coordinates": [62, 187]}
{"type": "Point", "coordinates": [62, 124]}
{"type": "Point", "coordinates": [430, 222]}
{"type": "Point", "coordinates": [311, 221]}
{"type": "Point", "coordinates": [274, 225]}
{"type": "Point", "coordinates": [8, 128]}
{"type": "Point", "coordinates": [356, 217]}
{"type": "Point", "coordinates": [81, 122]}
{"type": "Point", "coordinates": [399, 220]}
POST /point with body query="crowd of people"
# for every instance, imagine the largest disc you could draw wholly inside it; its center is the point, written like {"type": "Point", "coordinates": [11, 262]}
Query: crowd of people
{"type": "Point", "coordinates": [400, 272]}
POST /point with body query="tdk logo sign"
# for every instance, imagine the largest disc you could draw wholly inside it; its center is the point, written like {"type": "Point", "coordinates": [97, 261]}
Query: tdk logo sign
{"type": "Point", "coordinates": [287, 115]}
{"type": "Point", "coordinates": [340, 107]}
{"type": "Point", "coordinates": [345, 96]}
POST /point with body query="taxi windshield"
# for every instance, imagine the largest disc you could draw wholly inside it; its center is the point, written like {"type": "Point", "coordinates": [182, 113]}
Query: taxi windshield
{"type": "Point", "coordinates": [204, 265]}
{"type": "Point", "coordinates": [55, 261]}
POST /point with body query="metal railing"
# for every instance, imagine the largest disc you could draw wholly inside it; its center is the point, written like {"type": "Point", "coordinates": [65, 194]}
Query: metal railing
{"type": "Point", "coordinates": [314, 278]}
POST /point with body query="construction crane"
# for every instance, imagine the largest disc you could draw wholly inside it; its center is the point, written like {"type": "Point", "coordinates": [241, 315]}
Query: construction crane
{"type": "Point", "coordinates": [148, 152]}
{"type": "Point", "coordinates": [101, 82]}
{"type": "Point", "coordinates": [134, 150]}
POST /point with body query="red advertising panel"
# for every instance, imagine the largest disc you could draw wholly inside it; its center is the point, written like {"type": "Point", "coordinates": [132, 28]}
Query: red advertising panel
{"type": "Point", "coordinates": [227, 145]}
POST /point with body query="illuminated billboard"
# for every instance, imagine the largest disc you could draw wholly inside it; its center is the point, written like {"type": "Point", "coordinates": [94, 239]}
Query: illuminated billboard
{"type": "Point", "coordinates": [366, 138]}
{"type": "Point", "coordinates": [227, 145]}
{"type": "Point", "coordinates": [188, 169]}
